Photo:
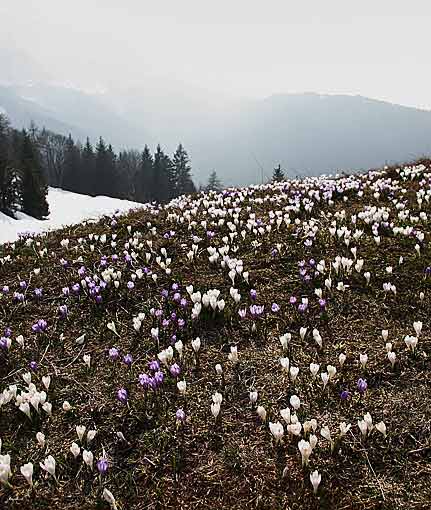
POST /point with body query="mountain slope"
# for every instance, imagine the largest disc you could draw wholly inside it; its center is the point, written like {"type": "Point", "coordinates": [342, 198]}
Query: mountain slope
{"type": "Point", "coordinates": [224, 351]}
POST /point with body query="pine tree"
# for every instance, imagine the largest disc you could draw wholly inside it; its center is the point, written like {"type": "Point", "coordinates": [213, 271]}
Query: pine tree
{"type": "Point", "coordinates": [160, 182]}
{"type": "Point", "coordinates": [8, 176]}
{"type": "Point", "coordinates": [34, 189]}
{"type": "Point", "coordinates": [88, 181]}
{"type": "Point", "coordinates": [144, 177]}
{"type": "Point", "coordinates": [278, 174]}
{"type": "Point", "coordinates": [72, 175]}
{"type": "Point", "coordinates": [214, 183]}
{"type": "Point", "coordinates": [182, 171]}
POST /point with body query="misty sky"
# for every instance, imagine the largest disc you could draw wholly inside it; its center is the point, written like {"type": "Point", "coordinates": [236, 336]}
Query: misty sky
{"type": "Point", "coordinates": [241, 48]}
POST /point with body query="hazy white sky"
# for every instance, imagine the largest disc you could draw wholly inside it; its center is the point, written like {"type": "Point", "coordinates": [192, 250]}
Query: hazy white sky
{"type": "Point", "coordinates": [377, 48]}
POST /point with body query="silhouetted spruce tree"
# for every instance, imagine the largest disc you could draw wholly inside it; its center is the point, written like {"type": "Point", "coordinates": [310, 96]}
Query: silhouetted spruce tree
{"type": "Point", "coordinates": [182, 172]}
{"type": "Point", "coordinates": [160, 182]}
{"type": "Point", "coordinates": [8, 175]}
{"type": "Point", "coordinates": [278, 174]}
{"type": "Point", "coordinates": [88, 182]}
{"type": "Point", "coordinates": [214, 183]}
{"type": "Point", "coordinates": [112, 188]}
{"type": "Point", "coordinates": [72, 175]}
{"type": "Point", "coordinates": [144, 177]}
{"type": "Point", "coordinates": [34, 189]}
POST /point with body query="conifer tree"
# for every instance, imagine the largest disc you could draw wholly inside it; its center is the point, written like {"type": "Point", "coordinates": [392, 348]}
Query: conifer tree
{"type": "Point", "coordinates": [34, 189]}
{"type": "Point", "coordinates": [72, 176]}
{"type": "Point", "coordinates": [278, 174]}
{"type": "Point", "coordinates": [214, 183]}
{"type": "Point", "coordinates": [8, 176]}
{"type": "Point", "coordinates": [182, 172]}
{"type": "Point", "coordinates": [88, 181]}
{"type": "Point", "coordinates": [144, 177]}
{"type": "Point", "coordinates": [160, 179]}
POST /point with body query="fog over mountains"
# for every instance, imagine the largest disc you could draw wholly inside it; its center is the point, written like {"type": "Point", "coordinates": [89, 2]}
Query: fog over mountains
{"type": "Point", "coordinates": [242, 139]}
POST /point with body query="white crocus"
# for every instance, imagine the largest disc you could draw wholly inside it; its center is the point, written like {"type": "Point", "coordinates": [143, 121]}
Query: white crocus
{"type": "Point", "coordinates": [40, 438]}
{"type": "Point", "coordinates": [49, 465]}
{"type": "Point", "coordinates": [363, 358]}
{"type": "Point", "coordinates": [417, 326]}
{"type": "Point", "coordinates": [196, 344]}
{"type": "Point", "coordinates": [325, 378]}
{"type": "Point", "coordinates": [261, 411]}
{"type": "Point", "coordinates": [392, 358]}
{"type": "Point", "coordinates": [305, 450]}
{"type": "Point", "coordinates": [285, 414]}
{"type": "Point", "coordinates": [80, 430]}
{"type": "Point", "coordinates": [109, 498]}
{"type": "Point", "coordinates": [293, 373]}
{"type": "Point", "coordinates": [215, 409]}
{"type": "Point", "coordinates": [315, 479]}
{"type": "Point", "coordinates": [75, 449]}
{"type": "Point", "coordinates": [88, 457]}
{"type": "Point", "coordinates": [277, 431]}
{"type": "Point", "coordinates": [314, 369]}
{"type": "Point", "coordinates": [27, 473]}
{"type": "Point", "coordinates": [342, 358]}
{"type": "Point", "coordinates": [326, 434]}
{"type": "Point", "coordinates": [295, 402]}
{"type": "Point", "coordinates": [344, 428]}
{"type": "Point", "coordinates": [46, 381]}
{"type": "Point", "coordinates": [253, 397]}
{"type": "Point", "coordinates": [182, 387]}
{"type": "Point", "coordinates": [381, 427]}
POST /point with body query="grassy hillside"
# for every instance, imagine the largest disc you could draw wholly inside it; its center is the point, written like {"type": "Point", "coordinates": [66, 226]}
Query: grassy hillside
{"type": "Point", "coordinates": [289, 274]}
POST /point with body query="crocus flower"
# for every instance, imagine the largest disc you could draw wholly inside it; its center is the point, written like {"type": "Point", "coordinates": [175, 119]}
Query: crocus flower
{"type": "Point", "coordinates": [315, 479]}
{"type": "Point", "coordinates": [277, 431]}
{"type": "Point", "coordinates": [102, 465]}
{"type": "Point", "coordinates": [362, 386]}
{"type": "Point", "coordinates": [175, 370]}
{"type": "Point", "coordinates": [122, 395]}
{"type": "Point", "coordinates": [49, 465]}
{"type": "Point", "coordinates": [180, 415]}
{"type": "Point", "coordinates": [128, 359]}
{"type": "Point", "coordinates": [27, 473]}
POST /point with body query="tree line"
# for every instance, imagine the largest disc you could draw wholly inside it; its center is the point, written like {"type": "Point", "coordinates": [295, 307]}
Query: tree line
{"type": "Point", "coordinates": [23, 184]}
{"type": "Point", "coordinates": [98, 170]}
{"type": "Point", "coordinates": [33, 159]}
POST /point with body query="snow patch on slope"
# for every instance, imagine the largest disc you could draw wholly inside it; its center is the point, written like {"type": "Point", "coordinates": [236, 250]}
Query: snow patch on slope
{"type": "Point", "coordinates": [66, 208]}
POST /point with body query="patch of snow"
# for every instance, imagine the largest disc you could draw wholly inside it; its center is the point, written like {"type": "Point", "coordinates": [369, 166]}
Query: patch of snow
{"type": "Point", "coordinates": [2, 111]}
{"type": "Point", "coordinates": [66, 208]}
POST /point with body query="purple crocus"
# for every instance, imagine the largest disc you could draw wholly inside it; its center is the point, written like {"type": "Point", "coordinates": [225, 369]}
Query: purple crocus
{"type": "Point", "coordinates": [62, 309]}
{"type": "Point", "coordinates": [253, 294]}
{"type": "Point", "coordinates": [175, 370]}
{"type": "Point", "coordinates": [130, 285]}
{"type": "Point", "coordinates": [128, 359]}
{"type": "Point", "coordinates": [102, 466]}
{"type": "Point", "coordinates": [292, 300]}
{"type": "Point", "coordinates": [154, 365]}
{"type": "Point", "coordinates": [344, 395]}
{"type": "Point", "coordinates": [122, 395]}
{"type": "Point", "coordinates": [33, 366]}
{"type": "Point", "coordinates": [180, 415]}
{"type": "Point", "coordinates": [275, 308]}
{"type": "Point", "coordinates": [113, 353]}
{"type": "Point", "coordinates": [144, 380]}
{"type": "Point", "coordinates": [362, 386]}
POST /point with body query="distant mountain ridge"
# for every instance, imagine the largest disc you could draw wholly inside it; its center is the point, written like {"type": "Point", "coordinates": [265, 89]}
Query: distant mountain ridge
{"type": "Point", "coordinates": [243, 140]}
